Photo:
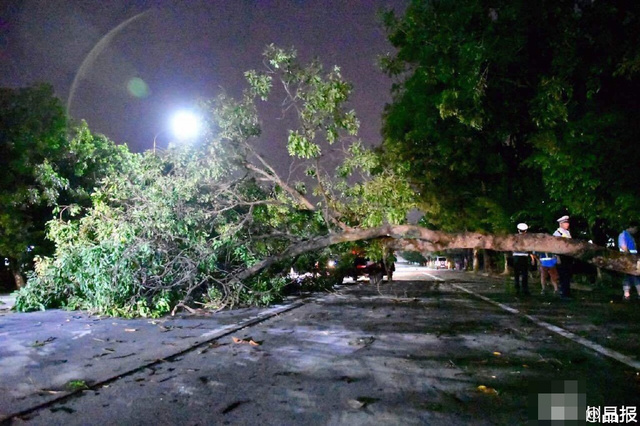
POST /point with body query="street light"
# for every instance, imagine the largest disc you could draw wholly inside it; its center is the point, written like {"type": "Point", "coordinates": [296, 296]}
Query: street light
{"type": "Point", "coordinates": [154, 140]}
{"type": "Point", "coordinates": [184, 125]}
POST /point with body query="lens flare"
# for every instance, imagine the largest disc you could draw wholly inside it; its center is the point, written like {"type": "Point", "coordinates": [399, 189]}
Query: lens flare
{"type": "Point", "coordinates": [138, 88]}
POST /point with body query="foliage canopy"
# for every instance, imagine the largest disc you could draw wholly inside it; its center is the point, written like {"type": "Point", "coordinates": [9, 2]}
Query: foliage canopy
{"type": "Point", "coordinates": [44, 161]}
{"type": "Point", "coordinates": [187, 225]}
{"type": "Point", "coordinates": [517, 110]}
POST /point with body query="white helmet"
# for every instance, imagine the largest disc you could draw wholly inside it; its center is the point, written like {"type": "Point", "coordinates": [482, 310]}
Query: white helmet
{"type": "Point", "coordinates": [522, 227]}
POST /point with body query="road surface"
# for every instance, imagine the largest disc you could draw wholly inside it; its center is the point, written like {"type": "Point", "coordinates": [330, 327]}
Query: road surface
{"type": "Point", "coordinates": [425, 349]}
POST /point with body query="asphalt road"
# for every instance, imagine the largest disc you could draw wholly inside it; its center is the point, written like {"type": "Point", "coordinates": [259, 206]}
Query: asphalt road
{"type": "Point", "coordinates": [420, 350]}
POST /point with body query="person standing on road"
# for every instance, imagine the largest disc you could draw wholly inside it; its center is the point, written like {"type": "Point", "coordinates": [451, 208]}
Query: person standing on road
{"type": "Point", "coordinates": [627, 244]}
{"type": "Point", "coordinates": [521, 265]}
{"type": "Point", "coordinates": [389, 262]}
{"type": "Point", "coordinates": [564, 262]}
{"type": "Point", "coordinates": [548, 268]}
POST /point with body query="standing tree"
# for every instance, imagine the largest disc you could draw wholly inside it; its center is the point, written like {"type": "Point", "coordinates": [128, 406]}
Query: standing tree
{"type": "Point", "coordinates": [32, 133]}
{"type": "Point", "coordinates": [43, 162]}
{"type": "Point", "coordinates": [516, 110]}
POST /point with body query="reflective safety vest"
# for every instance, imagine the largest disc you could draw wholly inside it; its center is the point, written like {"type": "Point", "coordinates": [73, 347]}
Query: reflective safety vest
{"type": "Point", "coordinates": [561, 232]}
{"type": "Point", "coordinates": [626, 239]}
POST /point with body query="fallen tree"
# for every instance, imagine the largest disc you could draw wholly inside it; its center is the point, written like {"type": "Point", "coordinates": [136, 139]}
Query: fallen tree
{"type": "Point", "coordinates": [422, 240]}
{"type": "Point", "coordinates": [216, 225]}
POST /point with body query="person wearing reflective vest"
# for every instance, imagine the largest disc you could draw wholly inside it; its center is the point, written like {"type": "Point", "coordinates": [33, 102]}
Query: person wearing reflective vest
{"type": "Point", "coordinates": [564, 262]}
{"type": "Point", "coordinates": [521, 265]}
{"type": "Point", "coordinates": [627, 244]}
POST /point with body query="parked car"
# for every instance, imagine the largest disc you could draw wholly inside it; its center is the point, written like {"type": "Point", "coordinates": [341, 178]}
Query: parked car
{"type": "Point", "coordinates": [441, 262]}
{"type": "Point", "coordinates": [363, 267]}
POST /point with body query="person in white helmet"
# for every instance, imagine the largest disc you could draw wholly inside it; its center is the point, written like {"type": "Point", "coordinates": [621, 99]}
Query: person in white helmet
{"type": "Point", "coordinates": [521, 262]}
{"type": "Point", "coordinates": [564, 262]}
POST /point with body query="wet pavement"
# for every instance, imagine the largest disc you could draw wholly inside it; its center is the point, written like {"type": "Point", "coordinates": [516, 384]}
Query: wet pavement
{"type": "Point", "coordinates": [43, 354]}
{"type": "Point", "coordinates": [417, 351]}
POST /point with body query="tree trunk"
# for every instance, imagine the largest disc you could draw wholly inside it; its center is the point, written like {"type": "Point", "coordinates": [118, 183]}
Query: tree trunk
{"type": "Point", "coordinates": [486, 259]}
{"type": "Point", "coordinates": [476, 261]}
{"type": "Point", "coordinates": [423, 240]}
{"type": "Point", "coordinates": [18, 278]}
{"type": "Point", "coordinates": [507, 270]}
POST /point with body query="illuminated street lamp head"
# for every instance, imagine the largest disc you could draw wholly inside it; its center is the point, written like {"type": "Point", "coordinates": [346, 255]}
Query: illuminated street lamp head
{"type": "Point", "coordinates": [185, 125]}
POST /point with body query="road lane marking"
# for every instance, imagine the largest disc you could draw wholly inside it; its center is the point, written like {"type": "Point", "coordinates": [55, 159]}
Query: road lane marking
{"type": "Point", "coordinates": [433, 276]}
{"type": "Point", "coordinates": [561, 331]}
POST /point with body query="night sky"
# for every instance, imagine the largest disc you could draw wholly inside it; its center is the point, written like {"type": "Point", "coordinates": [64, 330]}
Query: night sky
{"type": "Point", "coordinates": [182, 51]}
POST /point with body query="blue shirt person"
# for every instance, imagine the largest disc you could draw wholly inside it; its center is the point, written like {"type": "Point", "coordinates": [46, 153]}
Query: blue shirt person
{"type": "Point", "coordinates": [627, 244]}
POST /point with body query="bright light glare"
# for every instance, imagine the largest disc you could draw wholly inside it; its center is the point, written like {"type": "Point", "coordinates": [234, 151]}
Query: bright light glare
{"type": "Point", "coordinates": [185, 125]}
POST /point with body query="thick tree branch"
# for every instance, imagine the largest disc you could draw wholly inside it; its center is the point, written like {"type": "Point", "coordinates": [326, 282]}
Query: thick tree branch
{"type": "Point", "coordinates": [415, 238]}
{"type": "Point", "coordinates": [276, 179]}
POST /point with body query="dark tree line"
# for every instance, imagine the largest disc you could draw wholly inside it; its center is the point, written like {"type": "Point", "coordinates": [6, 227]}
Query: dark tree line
{"type": "Point", "coordinates": [509, 111]}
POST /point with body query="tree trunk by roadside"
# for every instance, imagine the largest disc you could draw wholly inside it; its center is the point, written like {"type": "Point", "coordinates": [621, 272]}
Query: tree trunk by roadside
{"type": "Point", "coordinates": [18, 278]}
{"type": "Point", "coordinates": [507, 269]}
{"type": "Point", "coordinates": [486, 259]}
{"type": "Point", "coordinates": [476, 261]}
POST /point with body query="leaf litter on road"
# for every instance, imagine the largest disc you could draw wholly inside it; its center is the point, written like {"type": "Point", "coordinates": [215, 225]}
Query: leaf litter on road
{"type": "Point", "coordinates": [248, 340]}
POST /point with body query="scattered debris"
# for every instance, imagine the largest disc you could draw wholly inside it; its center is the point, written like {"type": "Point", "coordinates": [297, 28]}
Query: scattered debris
{"type": "Point", "coordinates": [233, 406]}
{"type": "Point", "coordinates": [355, 404]}
{"type": "Point", "coordinates": [123, 356]}
{"type": "Point", "coordinates": [38, 344]}
{"type": "Point", "coordinates": [130, 329]}
{"type": "Point", "coordinates": [487, 390]}
{"type": "Point", "coordinates": [65, 409]}
{"type": "Point", "coordinates": [366, 341]}
{"type": "Point", "coordinates": [361, 402]}
{"type": "Point", "coordinates": [74, 385]}
{"type": "Point", "coordinates": [248, 340]}
{"type": "Point", "coordinates": [50, 392]}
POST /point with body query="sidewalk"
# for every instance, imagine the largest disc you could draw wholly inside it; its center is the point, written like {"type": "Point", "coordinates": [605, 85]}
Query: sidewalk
{"type": "Point", "coordinates": [43, 354]}
{"type": "Point", "coordinates": [6, 302]}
